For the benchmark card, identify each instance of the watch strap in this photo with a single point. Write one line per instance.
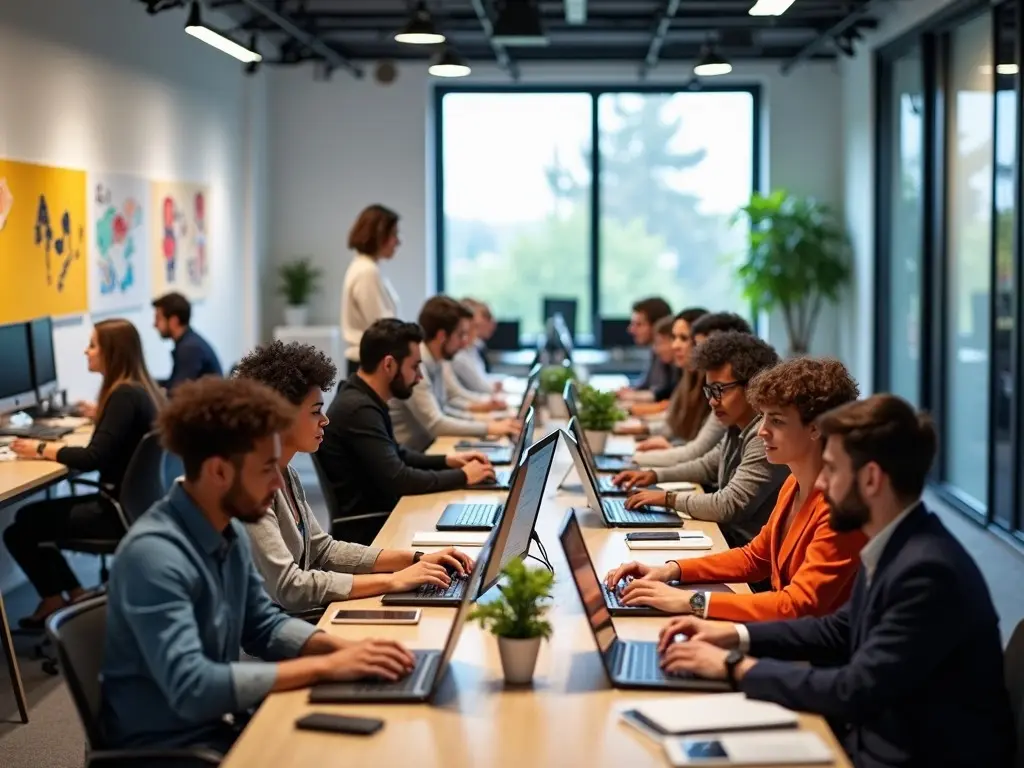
(416, 556)
(732, 660)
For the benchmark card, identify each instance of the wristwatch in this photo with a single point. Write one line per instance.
(41, 448)
(416, 557)
(698, 604)
(734, 657)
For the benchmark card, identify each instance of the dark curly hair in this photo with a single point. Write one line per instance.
(290, 369)
(812, 385)
(220, 417)
(748, 355)
(719, 321)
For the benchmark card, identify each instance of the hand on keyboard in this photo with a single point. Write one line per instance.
(423, 572)
(456, 563)
(640, 500)
(382, 659)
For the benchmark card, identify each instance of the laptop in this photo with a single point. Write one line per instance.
(613, 510)
(503, 477)
(425, 679)
(604, 483)
(628, 663)
(501, 453)
(512, 533)
(601, 462)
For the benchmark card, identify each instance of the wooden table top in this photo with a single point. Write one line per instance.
(568, 716)
(19, 476)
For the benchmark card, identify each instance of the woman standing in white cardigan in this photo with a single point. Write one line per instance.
(366, 295)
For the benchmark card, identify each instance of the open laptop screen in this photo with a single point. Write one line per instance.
(573, 438)
(587, 583)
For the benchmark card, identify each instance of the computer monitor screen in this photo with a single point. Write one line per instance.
(16, 390)
(505, 337)
(44, 367)
(615, 334)
(564, 307)
(588, 583)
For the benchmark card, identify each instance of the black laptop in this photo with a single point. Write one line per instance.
(503, 477)
(501, 453)
(426, 677)
(604, 483)
(602, 462)
(628, 663)
(613, 510)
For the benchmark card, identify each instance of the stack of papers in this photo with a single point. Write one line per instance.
(450, 538)
(706, 714)
(686, 540)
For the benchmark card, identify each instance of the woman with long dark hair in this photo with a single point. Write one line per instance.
(125, 410)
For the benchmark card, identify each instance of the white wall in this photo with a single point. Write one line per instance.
(101, 85)
(337, 146)
(856, 316)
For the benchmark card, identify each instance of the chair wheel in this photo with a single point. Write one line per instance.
(50, 667)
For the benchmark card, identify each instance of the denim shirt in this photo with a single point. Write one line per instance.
(183, 600)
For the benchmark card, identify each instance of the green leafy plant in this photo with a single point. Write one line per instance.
(554, 377)
(799, 258)
(519, 612)
(299, 281)
(599, 411)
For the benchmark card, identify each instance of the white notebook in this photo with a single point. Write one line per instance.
(710, 713)
(687, 542)
(677, 487)
(449, 538)
(790, 747)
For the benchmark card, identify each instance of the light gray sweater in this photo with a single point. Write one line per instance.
(747, 484)
(710, 434)
(304, 569)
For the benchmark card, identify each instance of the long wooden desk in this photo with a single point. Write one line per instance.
(569, 715)
(20, 478)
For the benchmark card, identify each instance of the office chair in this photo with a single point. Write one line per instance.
(1013, 670)
(357, 529)
(78, 632)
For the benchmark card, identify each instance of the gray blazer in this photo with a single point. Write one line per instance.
(748, 485)
(302, 572)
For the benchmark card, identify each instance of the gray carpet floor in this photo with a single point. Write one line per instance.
(53, 738)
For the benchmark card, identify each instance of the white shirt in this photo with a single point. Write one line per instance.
(366, 297)
(470, 371)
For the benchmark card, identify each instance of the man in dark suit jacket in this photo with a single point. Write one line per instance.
(909, 671)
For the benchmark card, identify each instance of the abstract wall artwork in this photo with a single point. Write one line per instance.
(43, 245)
(179, 225)
(119, 243)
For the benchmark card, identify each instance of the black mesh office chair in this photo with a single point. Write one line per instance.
(78, 632)
(357, 529)
(1013, 669)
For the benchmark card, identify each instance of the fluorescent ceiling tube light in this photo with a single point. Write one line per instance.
(770, 7)
(519, 24)
(1001, 69)
(449, 64)
(195, 27)
(711, 65)
(420, 30)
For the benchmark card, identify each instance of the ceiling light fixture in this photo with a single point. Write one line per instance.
(519, 24)
(195, 27)
(1001, 69)
(449, 64)
(420, 29)
(712, 64)
(770, 7)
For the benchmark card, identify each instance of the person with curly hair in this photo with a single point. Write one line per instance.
(747, 483)
(185, 598)
(811, 566)
(304, 567)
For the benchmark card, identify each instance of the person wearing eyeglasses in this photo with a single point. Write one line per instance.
(748, 485)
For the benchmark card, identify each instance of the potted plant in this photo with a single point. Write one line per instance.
(517, 618)
(299, 281)
(799, 258)
(552, 382)
(599, 414)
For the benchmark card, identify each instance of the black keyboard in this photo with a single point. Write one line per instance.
(36, 432)
(478, 514)
(454, 589)
(612, 595)
(616, 510)
(639, 662)
(424, 660)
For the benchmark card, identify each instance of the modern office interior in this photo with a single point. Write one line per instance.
(565, 157)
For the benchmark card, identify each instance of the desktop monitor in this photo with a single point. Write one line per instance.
(16, 386)
(44, 366)
(615, 333)
(505, 337)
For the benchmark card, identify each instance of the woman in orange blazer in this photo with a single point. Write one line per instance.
(812, 568)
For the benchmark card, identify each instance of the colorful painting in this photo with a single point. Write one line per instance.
(43, 245)
(180, 228)
(119, 243)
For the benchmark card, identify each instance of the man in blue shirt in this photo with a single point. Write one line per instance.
(185, 597)
(193, 356)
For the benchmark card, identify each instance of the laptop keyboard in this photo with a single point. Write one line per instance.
(616, 510)
(424, 660)
(605, 485)
(454, 589)
(611, 596)
(478, 514)
(638, 662)
(36, 432)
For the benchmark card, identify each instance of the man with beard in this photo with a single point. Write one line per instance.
(442, 406)
(193, 357)
(909, 671)
(366, 467)
(184, 595)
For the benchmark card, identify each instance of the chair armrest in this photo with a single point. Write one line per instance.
(198, 755)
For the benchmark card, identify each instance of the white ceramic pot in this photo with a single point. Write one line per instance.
(518, 658)
(296, 316)
(596, 440)
(557, 408)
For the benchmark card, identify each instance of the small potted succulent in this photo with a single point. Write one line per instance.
(552, 382)
(299, 281)
(599, 413)
(517, 618)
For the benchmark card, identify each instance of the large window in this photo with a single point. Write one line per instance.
(969, 238)
(517, 221)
